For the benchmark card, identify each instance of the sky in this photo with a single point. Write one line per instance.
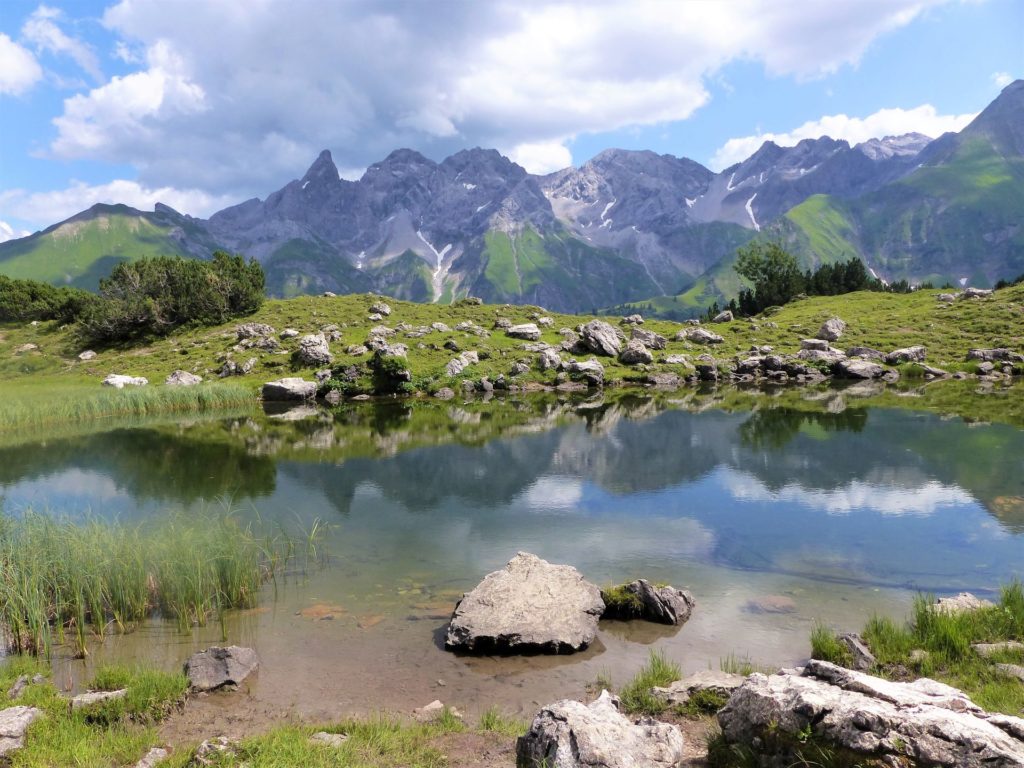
(201, 104)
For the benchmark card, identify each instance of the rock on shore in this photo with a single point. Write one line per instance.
(529, 606)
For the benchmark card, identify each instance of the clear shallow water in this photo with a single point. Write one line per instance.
(773, 518)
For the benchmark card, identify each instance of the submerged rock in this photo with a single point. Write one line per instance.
(917, 723)
(570, 734)
(529, 606)
(217, 667)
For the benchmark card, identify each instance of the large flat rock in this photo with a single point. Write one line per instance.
(218, 667)
(922, 723)
(529, 606)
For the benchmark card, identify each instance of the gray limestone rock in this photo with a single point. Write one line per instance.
(601, 338)
(723, 317)
(635, 353)
(217, 667)
(889, 722)
(590, 371)
(570, 734)
(643, 600)
(14, 722)
(699, 335)
(679, 692)
(528, 331)
(915, 354)
(183, 379)
(289, 388)
(650, 339)
(313, 350)
(119, 381)
(832, 329)
(528, 606)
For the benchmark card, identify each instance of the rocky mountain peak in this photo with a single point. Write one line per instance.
(907, 145)
(1002, 121)
(322, 169)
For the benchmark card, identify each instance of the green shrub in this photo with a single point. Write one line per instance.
(152, 297)
(25, 300)
(636, 694)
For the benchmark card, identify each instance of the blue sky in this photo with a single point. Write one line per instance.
(201, 104)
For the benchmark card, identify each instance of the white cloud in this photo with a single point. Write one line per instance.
(41, 30)
(887, 499)
(7, 232)
(45, 208)
(541, 157)
(19, 69)
(885, 122)
(1002, 79)
(363, 79)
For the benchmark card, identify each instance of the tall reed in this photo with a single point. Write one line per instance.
(66, 580)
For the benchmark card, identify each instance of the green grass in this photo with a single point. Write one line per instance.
(380, 742)
(636, 697)
(113, 733)
(493, 721)
(621, 603)
(62, 580)
(946, 639)
(827, 647)
(702, 703)
(826, 226)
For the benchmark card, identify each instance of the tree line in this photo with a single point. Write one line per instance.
(144, 298)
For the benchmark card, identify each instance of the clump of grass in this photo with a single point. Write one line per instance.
(826, 646)
(151, 694)
(741, 665)
(946, 638)
(81, 404)
(61, 579)
(636, 697)
(494, 721)
(702, 703)
(621, 603)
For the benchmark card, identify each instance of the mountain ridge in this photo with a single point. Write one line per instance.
(624, 226)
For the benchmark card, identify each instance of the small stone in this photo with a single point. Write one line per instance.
(832, 329)
(322, 738)
(990, 649)
(86, 700)
(87, 355)
(119, 381)
(289, 333)
(960, 603)
(153, 758)
(528, 331)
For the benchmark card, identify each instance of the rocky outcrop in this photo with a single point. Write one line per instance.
(832, 329)
(863, 658)
(529, 606)
(642, 600)
(313, 350)
(601, 339)
(254, 331)
(975, 293)
(919, 723)
(119, 381)
(380, 308)
(458, 364)
(219, 667)
(548, 360)
(632, 320)
(1000, 354)
(570, 734)
(183, 379)
(288, 389)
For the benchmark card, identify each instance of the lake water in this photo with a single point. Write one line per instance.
(774, 518)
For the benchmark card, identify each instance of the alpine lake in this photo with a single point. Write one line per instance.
(776, 509)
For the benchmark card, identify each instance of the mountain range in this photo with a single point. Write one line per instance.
(627, 226)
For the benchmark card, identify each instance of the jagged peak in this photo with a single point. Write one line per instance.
(322, 168)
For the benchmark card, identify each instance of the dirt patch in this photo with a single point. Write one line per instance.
(478, 750)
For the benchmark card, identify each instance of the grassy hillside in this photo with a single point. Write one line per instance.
(881, 321)
(86, 247)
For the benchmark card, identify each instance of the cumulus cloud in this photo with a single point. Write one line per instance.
(56, 205)
(1002, 79)
(232, 99)
(885, 122)
(19, 70)
(42, 31)
(541, 157)
(7, 232)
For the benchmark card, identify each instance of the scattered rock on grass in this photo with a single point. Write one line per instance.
(832, 329)
(313, 350)
(119, 381)
(570, 734)
(217, 667)
(528, 331)
(635, 353)
(254, 331)
(87, 355)
(723, 317)
(990, 649)
(85, 700)
(601, 338)
(183, 379)
(325, 739)
(965, 601)
(153, 758)
(679, 692)
(914, 354)
(14, 722)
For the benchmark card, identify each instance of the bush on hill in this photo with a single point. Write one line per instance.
(25, 300)
(152, 297)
